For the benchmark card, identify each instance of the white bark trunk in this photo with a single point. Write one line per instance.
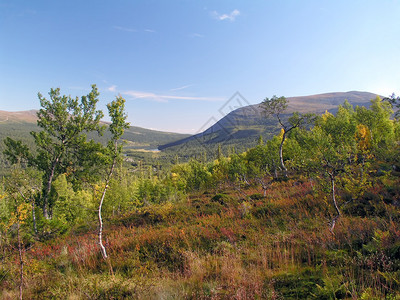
(102, 248)
(334, 201)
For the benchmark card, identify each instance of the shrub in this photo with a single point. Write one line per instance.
(256, 196)
(302, 284)
(223, 199)
(266, 210)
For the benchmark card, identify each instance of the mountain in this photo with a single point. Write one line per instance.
(18, 125)
(27, 116)
(242, 127)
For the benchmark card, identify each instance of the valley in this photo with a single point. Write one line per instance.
(317, 220)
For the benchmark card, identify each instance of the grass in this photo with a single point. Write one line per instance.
(225, 246)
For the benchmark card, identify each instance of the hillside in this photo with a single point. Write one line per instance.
(237, 227)
(242, 127)
(140, 142)
(18, 125)
(225, 245)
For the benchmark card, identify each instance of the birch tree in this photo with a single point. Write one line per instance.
(332, 147)
(64, 122)
(116, 110)
(277, 107)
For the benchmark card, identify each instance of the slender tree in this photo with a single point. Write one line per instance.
(64, 121)
(276, 107)
(16, 187)
(332, 148)
(18, 154)
(113, 151)
(260, 163)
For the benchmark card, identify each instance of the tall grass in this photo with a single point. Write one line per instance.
(222, 247)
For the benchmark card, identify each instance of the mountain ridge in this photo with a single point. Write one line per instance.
(18, 124)
(249, 122)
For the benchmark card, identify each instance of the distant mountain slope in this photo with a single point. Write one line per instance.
(243, 126)
(18, 125)
(27, 116)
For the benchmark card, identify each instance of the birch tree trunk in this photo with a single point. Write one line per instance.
(21, 261)
(332, 177)
(281, 154)
(102, 248)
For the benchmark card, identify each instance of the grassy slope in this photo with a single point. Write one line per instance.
(17, 125)
(222, 245)
(242, 127)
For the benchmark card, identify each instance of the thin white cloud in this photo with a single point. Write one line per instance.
(124, 29)
(196, 35)
(231, 17)
(181, 88)
(112, 88)
(165, 98)
(127, 29)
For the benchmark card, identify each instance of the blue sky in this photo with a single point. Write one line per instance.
(177, 62)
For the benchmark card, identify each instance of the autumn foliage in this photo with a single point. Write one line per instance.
(238, 227)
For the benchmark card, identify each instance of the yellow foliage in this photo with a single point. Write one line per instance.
(363, 137)
(34, 266)
(20, 215)
(98, 189)
(326, 116)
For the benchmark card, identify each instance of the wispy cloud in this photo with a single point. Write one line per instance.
(221, 17)
(182, 87)
(165, 98)
(124, 29)
(196, 35)
(127, 29)
(112, 88)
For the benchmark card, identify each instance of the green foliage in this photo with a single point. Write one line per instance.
(227, 228)
(153, 191)
(395, 102)
(191, 176)
(256, 196)
(198, 177)
(223, 199)
(116, 110)
(301, 284)
(121, 195)
(139, 142)
(275, 105)
(377, 120)
(266, 211)
(237, 169)
(16, 152)
(64, 122)
(71, 207)
(332, 288)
